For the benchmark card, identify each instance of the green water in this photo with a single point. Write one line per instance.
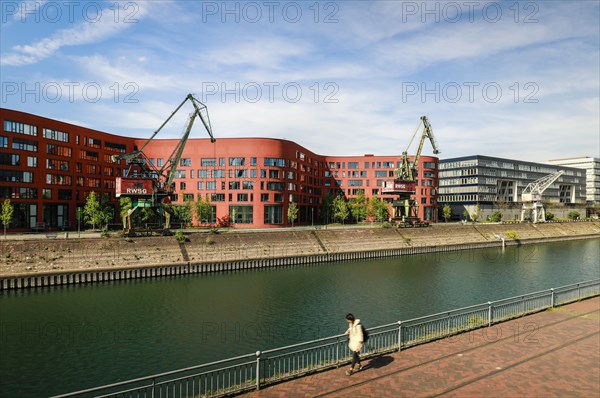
(61, 339)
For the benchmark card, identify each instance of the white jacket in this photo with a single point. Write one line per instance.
(355, 336)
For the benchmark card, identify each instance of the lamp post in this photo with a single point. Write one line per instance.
(79, 222)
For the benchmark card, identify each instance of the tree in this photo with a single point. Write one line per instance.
(377, 208)
(340, 208)
(125, 204)
(92, 212)
(203, 210)
(446, 212)
(7, 214)
(475, 215)
(327, 207)
(549, 216)
(358, 206)
(292, 212)
(183, 213)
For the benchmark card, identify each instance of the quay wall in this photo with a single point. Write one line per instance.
(52, 262)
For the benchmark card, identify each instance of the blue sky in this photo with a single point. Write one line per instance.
(510, 79)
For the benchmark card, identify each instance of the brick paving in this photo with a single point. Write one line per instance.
(553, 353)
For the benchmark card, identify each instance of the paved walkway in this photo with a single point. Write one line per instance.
(554, 353)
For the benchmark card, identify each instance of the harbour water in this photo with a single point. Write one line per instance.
(65, 338)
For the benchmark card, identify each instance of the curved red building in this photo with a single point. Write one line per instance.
(48, 167)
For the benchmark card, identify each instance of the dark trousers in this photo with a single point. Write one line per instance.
(355, 359)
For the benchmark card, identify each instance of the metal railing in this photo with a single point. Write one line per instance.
(253, 371)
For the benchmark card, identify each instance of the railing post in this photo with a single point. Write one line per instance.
(448, 325)
(399, 335)
(337, 351)
(153, 387)
(489, 313)
(552, 298)
(522, 305)
(258, 370)
(578, 292)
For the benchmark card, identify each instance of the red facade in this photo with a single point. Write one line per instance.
(250, 179)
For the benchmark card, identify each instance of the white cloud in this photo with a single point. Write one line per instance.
(87, 32)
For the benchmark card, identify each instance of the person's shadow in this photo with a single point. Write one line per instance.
(379, 362)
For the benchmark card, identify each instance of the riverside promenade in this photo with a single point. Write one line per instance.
(554, 353)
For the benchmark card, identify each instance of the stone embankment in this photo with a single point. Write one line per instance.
(46, 262)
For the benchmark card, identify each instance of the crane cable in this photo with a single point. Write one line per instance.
(413, 136)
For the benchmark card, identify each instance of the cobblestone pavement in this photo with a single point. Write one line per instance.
(554, 353)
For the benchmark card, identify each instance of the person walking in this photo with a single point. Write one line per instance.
(355, 342)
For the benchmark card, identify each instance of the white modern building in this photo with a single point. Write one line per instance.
(484, 184)
(592, 175)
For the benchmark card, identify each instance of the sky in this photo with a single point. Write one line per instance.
(514, 79)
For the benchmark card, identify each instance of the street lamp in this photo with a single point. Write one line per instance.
(79, 222)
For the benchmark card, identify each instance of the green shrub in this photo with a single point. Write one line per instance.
(386, 225)
(214, 230)
(105, 234)
(496, 217)
(549, 216)
(512, 235)
(180, 237)
(209, 240)
(573, 215)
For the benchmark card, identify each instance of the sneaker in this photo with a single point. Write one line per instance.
(360, 368)
(349, 372)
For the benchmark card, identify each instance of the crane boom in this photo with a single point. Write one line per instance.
(533, 208)
(154, 187)
(534, 190)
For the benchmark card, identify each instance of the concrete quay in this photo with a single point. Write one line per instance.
(554, 353)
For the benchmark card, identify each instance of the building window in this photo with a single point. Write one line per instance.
(241, 214)
(3, 142)
(353, 165)
(218, 173)
(211, 185)
(208, 162)
(274, 162)
(55, 135)
(200, 185)
(429, 165)
(278, 197)
(179, 173)
(273, 214)
(264, 197)
(248, 185)
(65, 194)
(20, 128)
(58, 150)
(24, 145)
(188, 197)
(182, 186)
(55, 164)
(94, 142)
(237, 161)
(242, 197)
(46, 193)
(202, 173)
(275, 186)
(217, 197)
(58, 179)
(185, 162)
(87, 155)
(252, 161)
(32, 161)
(10, 159)
(159, 162)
